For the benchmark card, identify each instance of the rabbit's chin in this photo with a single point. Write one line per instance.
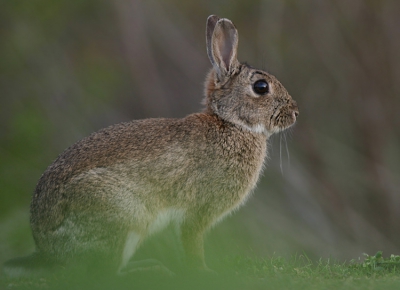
(278, 129)
(261, 129)
(258, 128)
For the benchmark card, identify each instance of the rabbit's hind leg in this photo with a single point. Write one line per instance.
(147, 265)
(132, 242)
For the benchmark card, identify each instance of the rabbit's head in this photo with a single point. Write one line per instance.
(240, 94)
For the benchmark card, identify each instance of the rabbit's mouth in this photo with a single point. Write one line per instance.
(284, 118)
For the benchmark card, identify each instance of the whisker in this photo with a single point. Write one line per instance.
(287, 149)
(280, 152)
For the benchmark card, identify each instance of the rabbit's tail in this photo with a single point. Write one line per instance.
(30, 266)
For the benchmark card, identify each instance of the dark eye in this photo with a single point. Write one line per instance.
(261, 87)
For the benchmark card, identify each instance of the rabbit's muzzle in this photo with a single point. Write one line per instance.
(295, 111)
(285, 116)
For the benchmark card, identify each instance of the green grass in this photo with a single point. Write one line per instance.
(372, 272)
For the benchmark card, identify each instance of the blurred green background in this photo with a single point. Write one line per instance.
(68, 68)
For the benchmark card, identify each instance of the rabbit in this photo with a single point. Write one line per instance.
(104, 195)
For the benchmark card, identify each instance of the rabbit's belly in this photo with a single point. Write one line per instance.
(164, 218)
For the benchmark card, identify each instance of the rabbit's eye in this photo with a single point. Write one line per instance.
(261, 87)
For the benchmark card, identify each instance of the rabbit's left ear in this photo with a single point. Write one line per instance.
(211, 22)
(222, 45)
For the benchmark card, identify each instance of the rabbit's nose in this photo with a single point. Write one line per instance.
(295, 112)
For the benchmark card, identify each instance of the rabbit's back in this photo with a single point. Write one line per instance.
(132, 171)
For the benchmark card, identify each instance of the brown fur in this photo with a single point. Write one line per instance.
(119, 181)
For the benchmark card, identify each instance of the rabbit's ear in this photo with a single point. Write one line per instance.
(223, 47)
(211, 22)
